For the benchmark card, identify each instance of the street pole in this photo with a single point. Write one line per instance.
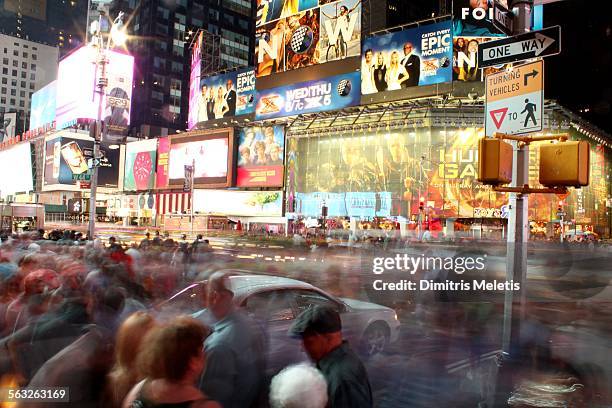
(191, 206)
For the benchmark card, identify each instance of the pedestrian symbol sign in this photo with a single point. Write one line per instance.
(515, 100)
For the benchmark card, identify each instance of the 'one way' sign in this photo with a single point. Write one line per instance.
(520, 47)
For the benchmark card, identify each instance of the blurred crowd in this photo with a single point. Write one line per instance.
(83, 315)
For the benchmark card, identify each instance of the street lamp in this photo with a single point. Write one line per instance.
(117, 37)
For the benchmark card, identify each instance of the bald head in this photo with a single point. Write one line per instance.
(220, 295)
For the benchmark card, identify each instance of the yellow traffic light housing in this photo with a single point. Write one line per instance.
(494, 161)
(565, 164)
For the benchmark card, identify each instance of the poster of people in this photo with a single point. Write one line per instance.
(223, 96)
(119, 93)
(414, 57)
(474, 18)
(336, 92)
(260, 156)
(292, 34)
(465, 59)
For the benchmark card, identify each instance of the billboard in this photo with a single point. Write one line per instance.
(239, 203)
(194, 80)
(163, 153)
(465, 60)
(261, 151)
(414, 57)
(42, 110)
(12, 181)
(76, 90)
(224, 96)
(350, 204)
(140, 159)
(211, 152)
(336, 92)
(474, 18)
(8, 124)
(66, 162)
(292, 34)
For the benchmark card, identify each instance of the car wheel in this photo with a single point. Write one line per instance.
(375, 339)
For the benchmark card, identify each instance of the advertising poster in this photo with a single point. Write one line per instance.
(224, 96)
(66, 163)
(260, 156)
(163, 154)
(474, 18)
(465, 60)
(210, 152)
(239, 203)
(297, 33)
(414, 57)
(8, 123)
(194, 81)
(118, 101)
(336, 92)
(140, 158)
(42, 109)
(350, 204)
(11, 181)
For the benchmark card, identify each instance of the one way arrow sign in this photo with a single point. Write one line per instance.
(520, 47)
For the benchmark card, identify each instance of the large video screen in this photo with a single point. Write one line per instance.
(66, 162)
(474, 18)
(210, 152)
(12, 181)
(292, 34)
(239, 203)
(194, 80)
(414, 57)
(224, 96)
(42, 109)
(261, 151)
(140, 160)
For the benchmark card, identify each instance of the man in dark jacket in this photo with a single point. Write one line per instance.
(320, 329)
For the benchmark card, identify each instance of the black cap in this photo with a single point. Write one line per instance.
(318, 319)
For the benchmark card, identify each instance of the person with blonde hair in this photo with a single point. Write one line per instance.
(396, 73)
(171, 361)
(124, 374)
(221, 107)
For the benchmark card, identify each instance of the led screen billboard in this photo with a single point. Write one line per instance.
(76, 90)
(42, 109)
(140, 159)
(337, 92)
(300, 33)
(465, 59)
(163, 153)
(66, 162)
(223, 96)
(8, 124)
(414, 57)
(474, 18)
(212, 154)
(194, 80)
(261, 151)
(11, 180)
(239, 203)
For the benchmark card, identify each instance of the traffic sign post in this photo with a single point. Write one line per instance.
(503, 19)
(515, 100)
(520, 47)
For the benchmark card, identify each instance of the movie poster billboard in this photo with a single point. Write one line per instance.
(292, 34)
(336, 92)
(211, 152)
(224, 96)
(409, 58)
(163, 154)
(465, 60)
(42, 110)
(261, 151)
(194, 80)
(474, 18)
(8, 125)
(66, 162)
(140, 159)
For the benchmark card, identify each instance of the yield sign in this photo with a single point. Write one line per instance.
(498, 116)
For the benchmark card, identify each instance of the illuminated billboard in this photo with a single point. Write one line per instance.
(224, 96)
(474, 18)
(42, 110)
(409, 58)
(194, 80)
(212, 154)
(293, 34)
(337, 92)
(163, 152)
(465, 59)
(76, 90)
(12, 181)
(140, 159)
(66, 162)
(261, 151)
(239, 203)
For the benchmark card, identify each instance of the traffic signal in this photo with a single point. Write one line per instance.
(494, 161)
(560, 207)
(565, 164)
(421, 203)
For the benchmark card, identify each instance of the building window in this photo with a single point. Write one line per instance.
(32, 86)
(13, 92)
(163, 13)
(14, 73)
(5, 71)
(177, 67)
(159, 63)
(158, 96)
(3, 101)
(13, 82)
(15, 63)
(13, 102)
(196, 22)
(34, 57)
(23, 84)
(22, 94)
(213, 14)
(32, 76)
(16, 53)
(181, 18)
(21, 104)
(4, 81)
(3, 91)
(33, 67)
(23, 74)
(5, 61)
(25, 55)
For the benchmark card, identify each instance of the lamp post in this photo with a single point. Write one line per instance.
(117, 36)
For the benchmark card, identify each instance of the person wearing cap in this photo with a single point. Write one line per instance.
(320, 329)
(234, 364)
